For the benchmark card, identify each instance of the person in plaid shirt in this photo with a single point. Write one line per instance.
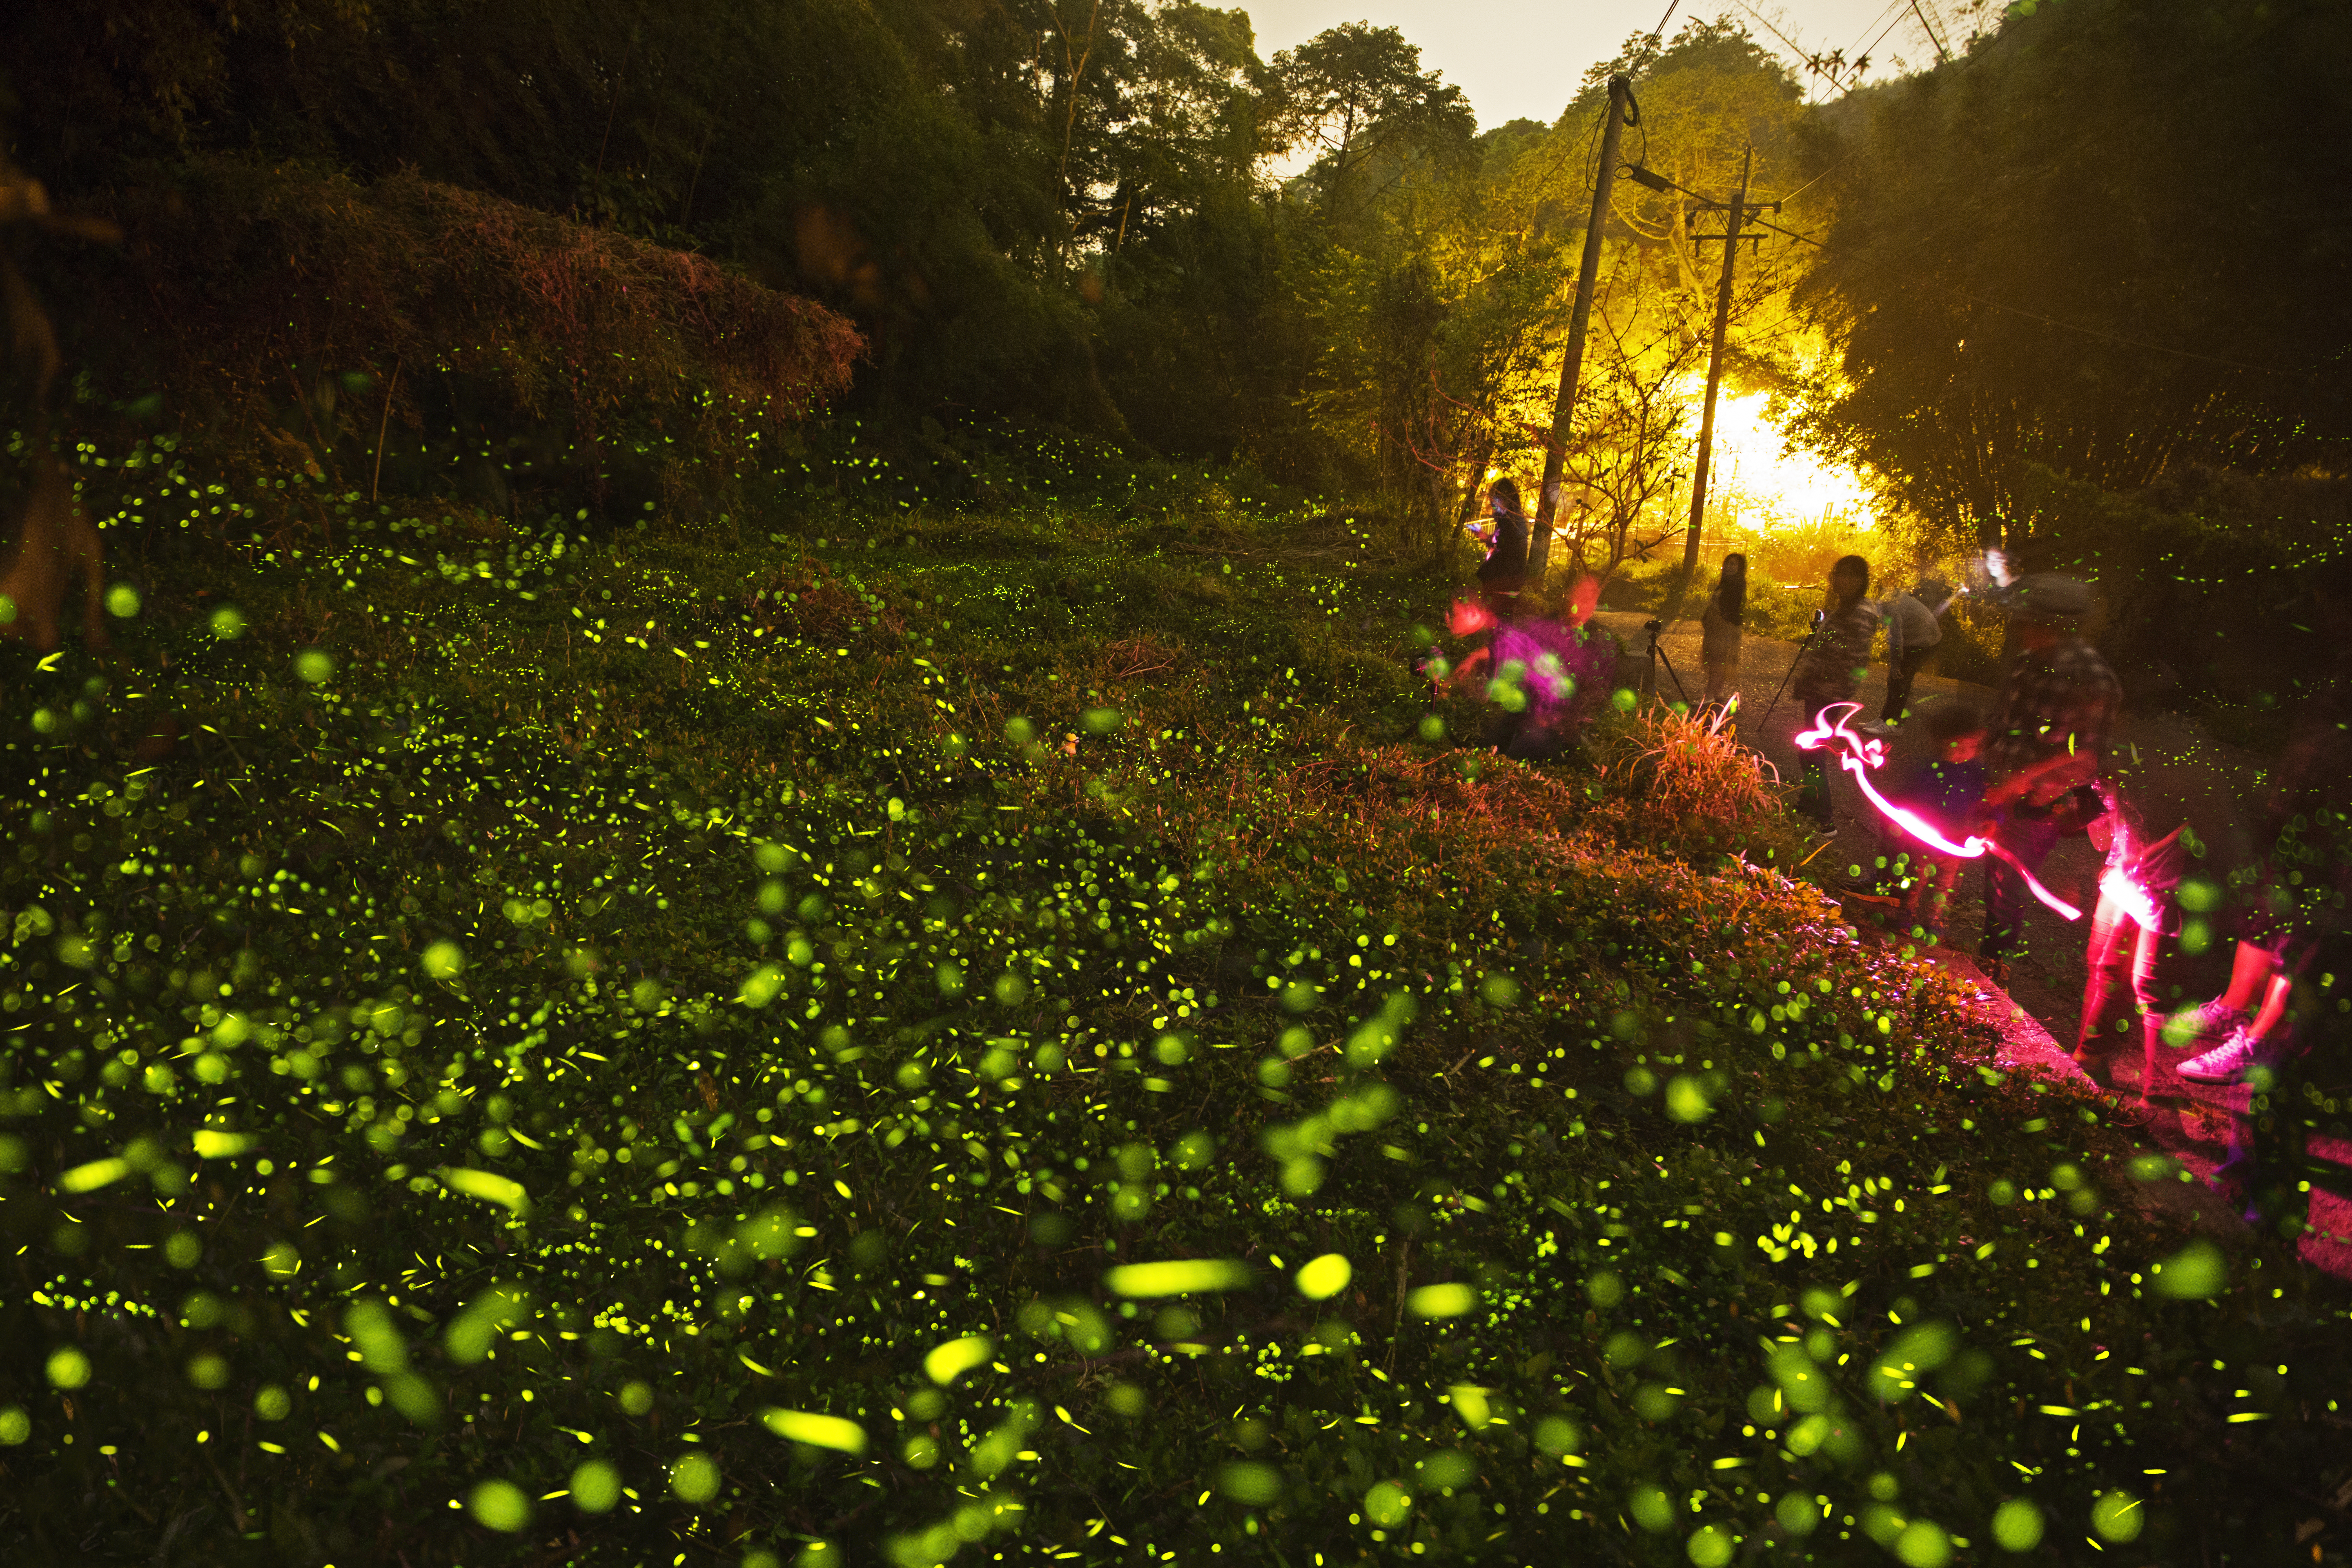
(1830, 668)
(2058, 703)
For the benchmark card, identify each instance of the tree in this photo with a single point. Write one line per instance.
(1357, 94)
(1429, 307)
(1635, 432)
(2111, 241)
(1705, 99)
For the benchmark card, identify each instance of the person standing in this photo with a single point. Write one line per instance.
(1720, 626)
(2058, 703)
(1830, 668)
(1914, 626)
(1503, 573)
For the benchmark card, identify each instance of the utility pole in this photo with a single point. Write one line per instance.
(1734, 212)
(1622, 111)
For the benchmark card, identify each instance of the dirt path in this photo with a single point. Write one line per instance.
(2040, 1013)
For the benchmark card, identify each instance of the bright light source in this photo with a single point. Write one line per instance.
(1764, 490)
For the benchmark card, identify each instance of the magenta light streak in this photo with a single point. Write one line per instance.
(2117, 885)
(1858, 754)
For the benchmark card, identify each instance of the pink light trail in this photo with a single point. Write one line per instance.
(1858, 754)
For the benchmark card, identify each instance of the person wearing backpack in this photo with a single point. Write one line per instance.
(1914, 626)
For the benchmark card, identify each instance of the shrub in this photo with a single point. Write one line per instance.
(255, 293)
(1681, 785)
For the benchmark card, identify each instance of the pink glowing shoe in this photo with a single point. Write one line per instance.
(2225, 1063)
(2212, 1020)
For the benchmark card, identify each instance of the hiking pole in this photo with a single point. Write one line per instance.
(1801, 646)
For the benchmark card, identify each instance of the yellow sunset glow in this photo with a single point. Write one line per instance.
(1753, 485)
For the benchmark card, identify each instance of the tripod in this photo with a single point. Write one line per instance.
(1657, 656)
(1810, 636)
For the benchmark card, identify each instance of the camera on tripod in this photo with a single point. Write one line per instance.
(1656, 655)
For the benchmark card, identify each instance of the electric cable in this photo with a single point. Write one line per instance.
(1881, 16)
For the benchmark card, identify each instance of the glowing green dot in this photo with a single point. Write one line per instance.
(595, 1487)
(501, 1506)
(68, 1368)
(694, 1478)
(2017, 1525)
(1710, 1546)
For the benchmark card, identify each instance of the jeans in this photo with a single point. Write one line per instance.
(1900, 674)
(2030, 839)
(2122, 962)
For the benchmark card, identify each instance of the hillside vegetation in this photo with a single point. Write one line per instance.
(892, 1035)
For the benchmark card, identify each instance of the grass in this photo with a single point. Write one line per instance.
(996, 1035)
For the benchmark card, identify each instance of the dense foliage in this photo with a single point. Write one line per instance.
(2106, 242)
(1054, 211)
(404, 330)
(620, 967)
(1005, 1036)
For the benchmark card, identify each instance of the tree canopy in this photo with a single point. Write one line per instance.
(2106, 239)
(2110, 240)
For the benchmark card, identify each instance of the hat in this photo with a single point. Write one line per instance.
(2047, 598)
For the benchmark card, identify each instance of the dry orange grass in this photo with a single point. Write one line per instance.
(1680, 785)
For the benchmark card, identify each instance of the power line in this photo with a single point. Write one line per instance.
(1660, 30)
(1882, 36)
(1808, 60)
(1890, 10)
(1943, 55)
(1817, 179)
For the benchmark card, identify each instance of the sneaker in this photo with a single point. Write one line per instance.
(2225, 1063)
(2208, 1021)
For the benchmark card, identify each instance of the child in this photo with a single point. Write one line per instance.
(1946, 791)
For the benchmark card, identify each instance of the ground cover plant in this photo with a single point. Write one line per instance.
(1017, 1035)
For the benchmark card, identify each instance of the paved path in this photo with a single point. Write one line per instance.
(2040, 1013)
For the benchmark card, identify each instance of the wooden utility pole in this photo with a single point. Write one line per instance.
(1622, 112)
(1734, 212)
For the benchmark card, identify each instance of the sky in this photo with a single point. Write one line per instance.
(1523, 58)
